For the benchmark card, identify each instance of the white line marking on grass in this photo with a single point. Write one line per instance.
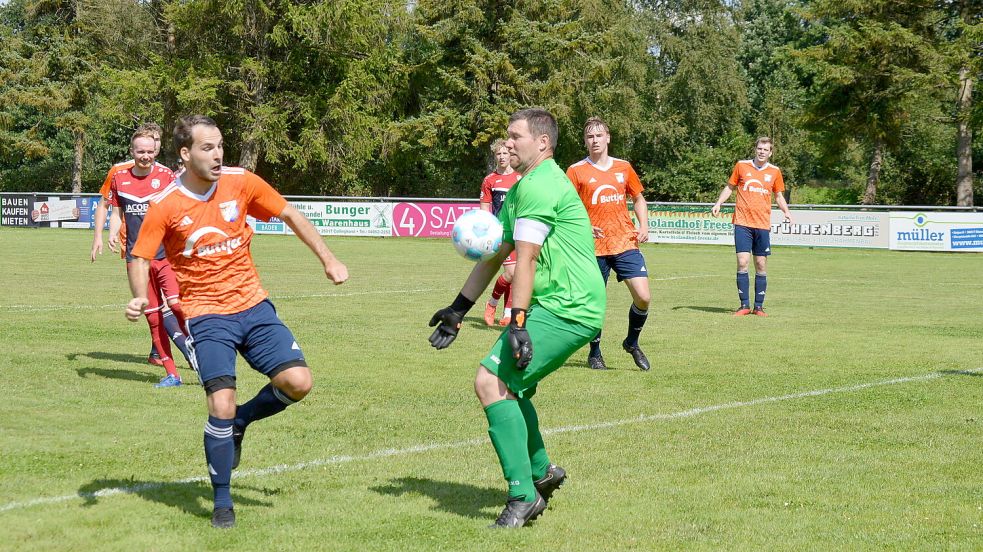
(416, 449)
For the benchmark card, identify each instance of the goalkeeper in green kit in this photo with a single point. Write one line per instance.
(558, 303)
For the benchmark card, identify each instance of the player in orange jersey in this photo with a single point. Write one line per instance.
(755, 180)
(201, 222)
(493, 190)
(604, 184)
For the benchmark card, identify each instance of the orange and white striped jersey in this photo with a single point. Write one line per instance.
(754, 189)
(206, 240)
(605, 195)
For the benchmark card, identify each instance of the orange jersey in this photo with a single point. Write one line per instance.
(207, 240)
(606, 194)
(754, 189)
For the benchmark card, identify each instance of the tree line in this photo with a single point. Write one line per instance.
(868, 101)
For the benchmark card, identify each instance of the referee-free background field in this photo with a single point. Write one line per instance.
(851, 418)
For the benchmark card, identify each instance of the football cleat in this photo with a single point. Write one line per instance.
(743, 311)
(490, 314)
(759, 311)
(154, 359)
(505, 321)
(223, 518)
(553, 480)
(596, 362)
(518, 513)
(237, 435)
(168, 381)
(638, 356)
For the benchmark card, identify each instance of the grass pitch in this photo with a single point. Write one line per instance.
(849, 419)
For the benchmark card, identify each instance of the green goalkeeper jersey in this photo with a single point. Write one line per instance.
(568, 282)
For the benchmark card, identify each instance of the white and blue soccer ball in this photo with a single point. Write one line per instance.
(477, 235)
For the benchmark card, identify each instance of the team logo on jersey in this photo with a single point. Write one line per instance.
(230, 210)
(620, 177)
(155, 183)
(767, 178)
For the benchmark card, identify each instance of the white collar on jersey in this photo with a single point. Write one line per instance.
(200, 197)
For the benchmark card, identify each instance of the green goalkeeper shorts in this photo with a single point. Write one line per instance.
(553, 338)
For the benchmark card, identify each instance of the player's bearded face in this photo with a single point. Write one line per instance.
(144, 152)
(204, 157)
(523, 148)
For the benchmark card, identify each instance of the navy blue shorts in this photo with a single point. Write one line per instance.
(627, 264)
(752, 240)
(256, 332)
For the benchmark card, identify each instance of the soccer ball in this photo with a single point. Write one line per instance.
(477, 235)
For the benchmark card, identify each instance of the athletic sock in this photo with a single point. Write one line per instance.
(153, 349)
(507, 429)
(743, 285)
(173, 329)
(267, 402)
(159, 337)
(636, 321)
(219, 452)
(500, 286)
(760, 286)
(595, 345)
(507, 297)
(538, 460)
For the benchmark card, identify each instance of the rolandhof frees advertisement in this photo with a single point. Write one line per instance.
(932, 231)
(689, 224)
(336, 219)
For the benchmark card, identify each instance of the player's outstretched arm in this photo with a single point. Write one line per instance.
(138, 273)
(724, 196)
(334, 269)
(448, 319)
(100, 221)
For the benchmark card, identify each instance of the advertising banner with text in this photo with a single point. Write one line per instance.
(914, 231)
(427, 220)
(336, 219)
(695, 224)
(15, 210)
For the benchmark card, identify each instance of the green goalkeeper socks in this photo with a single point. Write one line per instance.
(538, 459)
(507, 429)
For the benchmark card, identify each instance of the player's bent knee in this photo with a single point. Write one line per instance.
(219, 383)
(294, 379)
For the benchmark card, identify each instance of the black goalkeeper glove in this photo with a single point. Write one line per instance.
(519, 339)
(448, 322)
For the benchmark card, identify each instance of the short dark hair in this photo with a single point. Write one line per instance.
(540, 122)
(183, 128)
